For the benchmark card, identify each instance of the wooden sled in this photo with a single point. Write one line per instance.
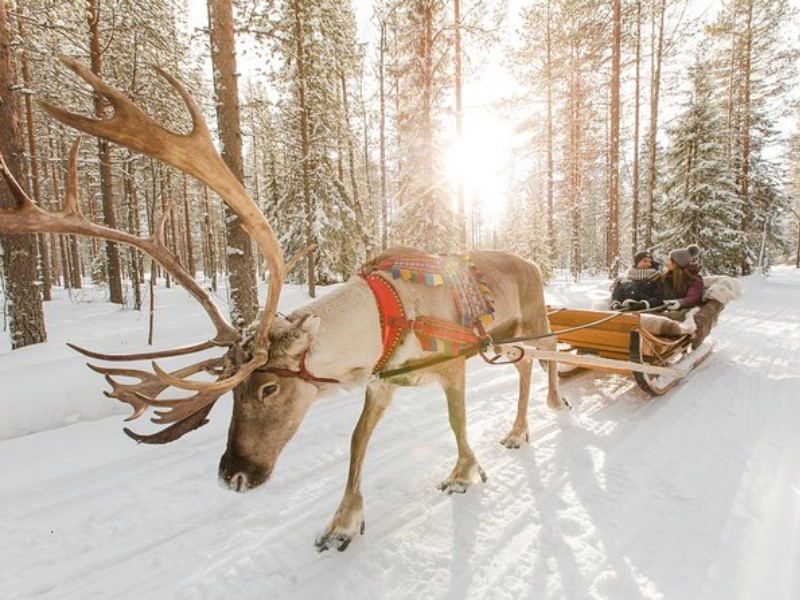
(617, 342)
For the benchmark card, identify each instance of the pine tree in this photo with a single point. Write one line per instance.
(316, 170)
(421, 76)
(700, 203)
(756, 60)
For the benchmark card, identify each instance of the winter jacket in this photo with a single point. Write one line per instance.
(639, 284)
(694, 292)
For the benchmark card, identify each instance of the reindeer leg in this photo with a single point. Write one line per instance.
(467, 470)
(349, 517)
(519, 431)
(554, 399)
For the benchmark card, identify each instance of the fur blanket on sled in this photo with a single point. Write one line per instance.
(720, 288)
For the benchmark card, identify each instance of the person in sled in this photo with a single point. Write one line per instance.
(682, 285)
(641, 288)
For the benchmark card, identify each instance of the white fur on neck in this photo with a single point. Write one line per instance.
(348, 342)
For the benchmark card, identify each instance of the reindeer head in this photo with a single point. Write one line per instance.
(268, 404)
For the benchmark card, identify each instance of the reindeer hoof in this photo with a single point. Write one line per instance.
(513, 442)
(339, 541)
(460, 485)
(557, 403)
(454, 487)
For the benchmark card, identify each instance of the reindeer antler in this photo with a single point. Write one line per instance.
(193, 153)
(29, 218)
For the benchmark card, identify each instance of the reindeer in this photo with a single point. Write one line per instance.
(278, 366)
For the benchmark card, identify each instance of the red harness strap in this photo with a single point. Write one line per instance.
(301, 373)
(438, 328)
(391, 312)
(394, 323)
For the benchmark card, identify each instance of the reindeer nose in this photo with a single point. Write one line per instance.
(240, 474)
(238, 482)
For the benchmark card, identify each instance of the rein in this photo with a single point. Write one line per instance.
(568, 330)
(301, 373)
(485, 342)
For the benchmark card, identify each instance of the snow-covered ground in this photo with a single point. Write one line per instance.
(692, 495)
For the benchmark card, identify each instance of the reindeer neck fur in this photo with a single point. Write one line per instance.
(348, 342)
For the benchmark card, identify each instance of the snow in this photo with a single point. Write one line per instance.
(695, 494)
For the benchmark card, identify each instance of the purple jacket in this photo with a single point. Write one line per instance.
(694, 293)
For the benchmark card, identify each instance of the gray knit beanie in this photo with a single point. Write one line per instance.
(683, 256)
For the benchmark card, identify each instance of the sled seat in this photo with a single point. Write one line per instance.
(609, 334)
(619, 337)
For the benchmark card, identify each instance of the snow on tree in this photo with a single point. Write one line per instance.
(700, 203)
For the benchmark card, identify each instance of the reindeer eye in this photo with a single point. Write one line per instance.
(268, 390)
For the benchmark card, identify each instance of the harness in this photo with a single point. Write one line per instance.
(434, 334)
(301, 373)
(471, 297)
(393, 317)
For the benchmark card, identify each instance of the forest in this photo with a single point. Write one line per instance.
(633, 124)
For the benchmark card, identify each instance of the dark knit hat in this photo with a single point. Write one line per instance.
(683, 256)
(640, 255)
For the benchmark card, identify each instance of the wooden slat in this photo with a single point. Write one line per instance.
(595, 338)
(609, 339)
(560, 319)
(595, 362)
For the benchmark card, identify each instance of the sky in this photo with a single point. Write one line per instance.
(695, 494)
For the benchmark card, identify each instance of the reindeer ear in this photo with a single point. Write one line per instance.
(309, 325)
(301, 335)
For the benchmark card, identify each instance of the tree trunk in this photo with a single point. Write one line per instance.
(636, 118)
(732, 85)
(655, 87)
(114, 273)
(462, 224)
(26, 315)
(745, 133)
(190, 264)
(384, 186)
(613, 150)
(351, 150)
(551, 230)
(426, 60)
(242, 281)
(132, 202)
(33, 163)
(574, 162)
(305, 144)
(358, 207)
(797, 251)
(254, 153)
(209, 247)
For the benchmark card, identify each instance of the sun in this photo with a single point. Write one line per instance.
(481, 163)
